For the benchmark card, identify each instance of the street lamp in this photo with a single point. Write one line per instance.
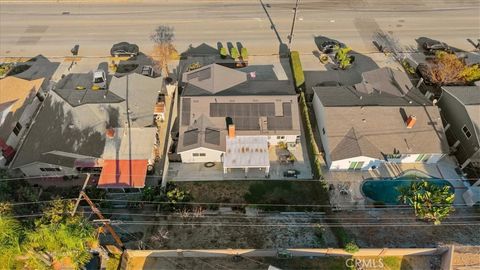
(290, 37)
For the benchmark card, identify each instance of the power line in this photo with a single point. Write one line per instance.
(306, 225)
(339, 206)
(323, 217)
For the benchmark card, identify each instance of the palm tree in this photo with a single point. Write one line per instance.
(430, 202)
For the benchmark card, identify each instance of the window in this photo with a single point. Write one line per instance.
(50, 169)
(199, 154)
(17, 128)
(280, 137)
(354, 165)
(323, 131)
(466, 132)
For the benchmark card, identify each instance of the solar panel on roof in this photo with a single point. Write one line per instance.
(212, 136)
(186, 111)
(190, 137)
(287, 109)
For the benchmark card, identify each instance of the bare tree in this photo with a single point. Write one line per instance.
(444, 69)
(163, 49)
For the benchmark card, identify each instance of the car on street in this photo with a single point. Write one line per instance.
(124, 49)
(291, 173)
(330, 45)
(100, 79)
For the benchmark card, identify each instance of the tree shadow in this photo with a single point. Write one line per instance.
(239, 46)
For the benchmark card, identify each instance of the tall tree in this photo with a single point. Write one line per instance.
(163, 49)
(430, 202)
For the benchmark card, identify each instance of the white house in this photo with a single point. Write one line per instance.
(218, 102)
(383, 119)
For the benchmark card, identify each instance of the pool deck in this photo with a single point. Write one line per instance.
(351, 181)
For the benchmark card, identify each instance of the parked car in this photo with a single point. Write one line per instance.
(291, 173)
(100, 79)
(124, 49)
(433, 46)
(329, 45)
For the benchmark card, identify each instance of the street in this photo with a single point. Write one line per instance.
(52, 28)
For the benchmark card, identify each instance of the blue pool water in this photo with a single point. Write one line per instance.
(386, 190)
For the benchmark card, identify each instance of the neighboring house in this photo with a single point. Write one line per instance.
(382, 119)
(19, 100)
(78, 130)
(460, 111)
(218, 102)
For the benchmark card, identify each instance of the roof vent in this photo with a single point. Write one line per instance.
(411, 120)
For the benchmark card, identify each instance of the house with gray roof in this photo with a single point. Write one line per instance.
(220, 107)
(460, 111)
(68, 135)
(382, 119)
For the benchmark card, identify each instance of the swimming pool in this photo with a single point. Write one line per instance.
(386, 190)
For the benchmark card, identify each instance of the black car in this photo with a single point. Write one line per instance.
(124, 49)
(291, 173)
(329, 46)
(434, 46)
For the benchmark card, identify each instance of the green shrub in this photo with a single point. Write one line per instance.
(351, 247)
(297, 70)
(343, 59)
(244, 53)
(223, 52)
(310, 138)
(234, 53)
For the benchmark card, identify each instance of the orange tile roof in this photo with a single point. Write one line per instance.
(123, 173)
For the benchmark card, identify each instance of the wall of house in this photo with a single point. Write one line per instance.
(454, 113)
(34, 169)
(344, 164)
(25, 120)
(210, 155)
(319, 113)
(412, 158)
(275, 139)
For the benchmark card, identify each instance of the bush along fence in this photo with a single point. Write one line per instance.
(297, 71)
(312, 146)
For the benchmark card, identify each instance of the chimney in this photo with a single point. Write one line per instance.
(110, 133)
(231, 131)
(411, 120)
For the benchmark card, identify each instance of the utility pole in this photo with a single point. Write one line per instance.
(290, 37)
(105, 221)
(80, 195)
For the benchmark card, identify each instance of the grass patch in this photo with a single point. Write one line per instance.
(297, 70)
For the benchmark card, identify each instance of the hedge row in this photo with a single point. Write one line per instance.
(311, 143)
(297, 69)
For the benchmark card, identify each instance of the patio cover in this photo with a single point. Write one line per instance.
(246, 152)
(123, 174)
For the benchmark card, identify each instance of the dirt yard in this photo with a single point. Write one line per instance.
(400, 235)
